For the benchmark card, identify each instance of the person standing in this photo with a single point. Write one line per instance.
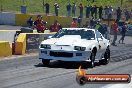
(118, 13)
(95, 11)
(110, 12)
(68, 7)
(92, 23)
(127, 15)
(100, 12)
(92, 12)
(98, 25)
(79, 22)
(115, 31)
(30, 22)
(106, 12)
(81, 10)
(74, 23)
(56, 9)
(47, 7)
(88, 8)
(74, 10)
(105, 30)
(123, 32)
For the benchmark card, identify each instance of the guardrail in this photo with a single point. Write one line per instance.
(27, 42)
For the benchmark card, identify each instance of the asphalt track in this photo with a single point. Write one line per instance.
(28, 72)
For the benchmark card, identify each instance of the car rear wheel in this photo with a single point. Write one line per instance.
(106, 59)
(45, 62)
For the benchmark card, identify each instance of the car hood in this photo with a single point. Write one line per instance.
(74, 40)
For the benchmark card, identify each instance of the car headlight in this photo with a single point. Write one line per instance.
(45, 46)
(80, 48)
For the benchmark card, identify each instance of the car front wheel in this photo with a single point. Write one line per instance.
(92, 58)
(106, 57)
(45, 62)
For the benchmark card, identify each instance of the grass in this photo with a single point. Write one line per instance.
(36, 6)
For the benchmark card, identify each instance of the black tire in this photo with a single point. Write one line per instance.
(45, 62)
(106, 59)
(92, 58)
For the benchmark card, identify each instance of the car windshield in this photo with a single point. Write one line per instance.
(85, 34)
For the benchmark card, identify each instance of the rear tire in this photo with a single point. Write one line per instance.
(106, 59)
(45, 62)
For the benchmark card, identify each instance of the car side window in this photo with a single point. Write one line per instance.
(98, 35)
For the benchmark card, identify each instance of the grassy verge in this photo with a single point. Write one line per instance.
(36, 6)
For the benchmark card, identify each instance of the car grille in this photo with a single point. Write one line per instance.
(61, 54)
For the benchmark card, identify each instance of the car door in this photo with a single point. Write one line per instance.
(100, 45)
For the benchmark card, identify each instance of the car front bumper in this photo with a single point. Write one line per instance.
(64, 55)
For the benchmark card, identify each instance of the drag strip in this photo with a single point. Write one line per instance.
(28, 72)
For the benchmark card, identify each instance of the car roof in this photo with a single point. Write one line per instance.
(79, 29)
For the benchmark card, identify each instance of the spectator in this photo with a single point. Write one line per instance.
(47, 7)
(81, 10)
(98, 25)
(100, 12)
(115, 30)
(39, 24)
(92, 11)
(88, 8)
(127, 15)
(56, 9)
(110, 12)
(92, 23)
(74, 23)
(79, 21)
(68, 9)
(55, 27)
(30, 22)
(74, 10)
(118, 12)
(123, 32)
(106, 12)
(105, 30)
(95, 11)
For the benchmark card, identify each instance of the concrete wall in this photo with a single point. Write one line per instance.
(7, 18)
(7, 36)
(5, 49)
(21, 19)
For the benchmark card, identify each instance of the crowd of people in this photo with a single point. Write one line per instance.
(40, 25)
(122, 31)
(101, 12)
(103, 28)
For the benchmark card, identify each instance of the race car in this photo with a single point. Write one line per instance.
(76, 44)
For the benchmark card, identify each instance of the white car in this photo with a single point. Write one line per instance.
(75, 44)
